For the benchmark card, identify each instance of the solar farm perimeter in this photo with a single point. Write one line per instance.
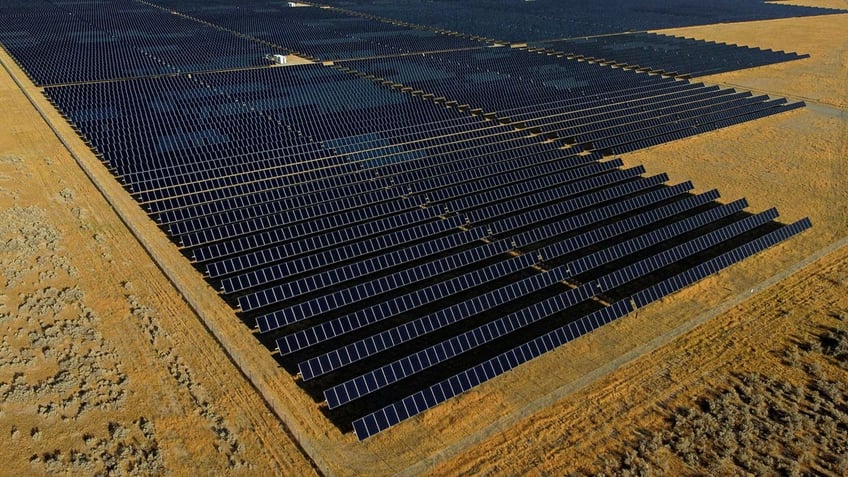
(384, 232)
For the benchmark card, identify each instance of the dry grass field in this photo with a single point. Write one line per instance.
(117, 358)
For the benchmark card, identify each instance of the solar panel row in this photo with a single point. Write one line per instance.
(702, 128)
(512, 154)
(403, 303)
(384, 284)
(694, 274)
(640, 242)
(272, 321)
(277, 294)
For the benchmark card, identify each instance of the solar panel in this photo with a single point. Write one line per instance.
(546, 20)
(587, 120)
(476, 195)
(610, 211)
(315, 242)
(226, 247)
(287, 192)
(254, 260)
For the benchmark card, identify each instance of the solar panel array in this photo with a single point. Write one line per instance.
(396, 251)
(64, 41)
(395, 226)
(467, 379)
(58, 42)
(667, 54)
(318, 33)
(547, 20)
(597, 107)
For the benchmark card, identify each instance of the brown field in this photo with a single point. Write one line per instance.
(116, 357)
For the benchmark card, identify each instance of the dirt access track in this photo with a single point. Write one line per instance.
(116, 356)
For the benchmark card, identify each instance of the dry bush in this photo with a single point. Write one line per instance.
(755, 424)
